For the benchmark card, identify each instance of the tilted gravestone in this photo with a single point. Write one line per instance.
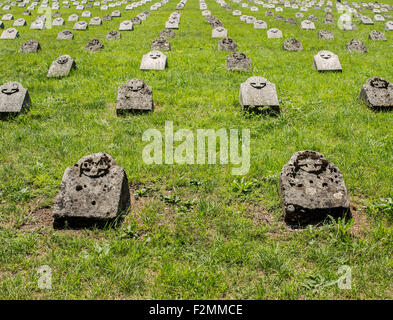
(94, 45)
(312, 188)
(227, 44)
(219, 32)
(259, 95)
(14, 100)
(93, 192)
(86, 14)
(260, 24)
(292, 44)
(376, 36)
(356, 45)
(154, 60)
(30, 46)
(10, 34)
(19, 22)
(61, 67)
(113, 35)
(133, 97)
(7, 17)
(37, 25)
(274, 33)
(172, 24)
(325, 34)
(326, 61)
(167, 33)
(161, 43)
(81, 25)
(238, 61)
(65, 35)
(377, 93)
(126, 26)
(96, 21)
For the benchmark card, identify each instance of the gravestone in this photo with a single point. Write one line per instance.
(81, 25)
(377, 93)
(238, 61)
(312, 188)
(227, 44)
(133, 97)
(154, 60)
(37, 25)
(274, 33)
(96, 21)
(9, 34)
(219, 32)
(389, 26)
(19, 22)
(325, 34)
(73, 18)
(379, 18)
(30, 46)
(61, 67)
(237, 13)
(167, 33)
(126, 26)
(328, 21)
(136, 20)
(326, 61)
(376, 36)
(366, 20)
(116, 14)
(107, 17)
(259, 95)
(356, 45)
(58, 22)
(65, 35)
(113, 35)
(94, 45)
(14, 100)
(93, 192)
(86, 14)
(307, 25)
(172, 24)
(292, 44)
(7, 17)
(161, 43)
(260, 24)
(290, 21)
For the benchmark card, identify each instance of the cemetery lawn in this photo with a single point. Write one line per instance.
(195, 231)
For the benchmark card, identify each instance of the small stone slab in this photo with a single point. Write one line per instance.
(37, 25)
(154, 60)
(93, 192)
(259, 95)
(377, 93)
(260, 24)
(167, 33)
(61, 67)
(65, 35)
(219, 32)
(376, 36)
(134, 97)
(325, 34)
(94, 45)
(30, 46)
(356, 45)
(227, 44)
(312, 188)
(81, 26)
(14, 100)
(126, 26)
(161, 43)
(19, 22)
(292, 44)
(366, 20)
(274, 33)
(389, 26)
(96, 21)
(58, 22)
(238, 61)
(326, 61)
(307, 25)
(9, 34)
(113, 35)
(136, 20)
(172, 24)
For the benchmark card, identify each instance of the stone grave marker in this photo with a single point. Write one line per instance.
(14, 100)
(274, 33)
(389, 26)
(126, 26)
(65, 35)
(81, 26)
(9, 34)
(238, 61)
(307, 25)
(167, 33)
(154, 60)
(227, 44)
(325, 34)
(161, 43)
(292, 44)
(96, 21)
(134, 97)
(61, 67)
(30, 46)
(58, 22)
(356, 45)
(326, 61)
(219, 32)
(377, 93)
(260, 24)
(94, 45)
(376, 36)
(113, 35)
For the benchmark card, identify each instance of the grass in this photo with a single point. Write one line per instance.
(195, 231)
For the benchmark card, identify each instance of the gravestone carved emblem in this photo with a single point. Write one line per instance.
(93, 192)
(14, 100)
(134, 96)
(312, 188)
(377, 93)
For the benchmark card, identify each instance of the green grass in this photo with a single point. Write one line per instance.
(195, 231)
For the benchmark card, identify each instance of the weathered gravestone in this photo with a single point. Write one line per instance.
(94, 45)
(227, 44)
(9, 34)
(61, 67)
(290, 21)
(292, 44)
(307, 25)
(366, 20)
(96, 21)
(73, 18)
(30, 46)
(389, 26)
(161, 43)
(65, 35)
(154, 60)
(14, 100)
(376, 36)
(37, 25)
(219, 32)
(113, 35)
(259, 95)
(126, 26)
(81, 25)
(172, 24)
(1, 25)
(260, 24)
(134, 97)
(325, 34)
(356, 45)
(274, 33)
(93, 192)
(136, 20)
(58, 22)
(7, 17)
(238, 61)
(312, 188)
(326, 61)
(19, 22)
(377, 93)
(168, 33)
